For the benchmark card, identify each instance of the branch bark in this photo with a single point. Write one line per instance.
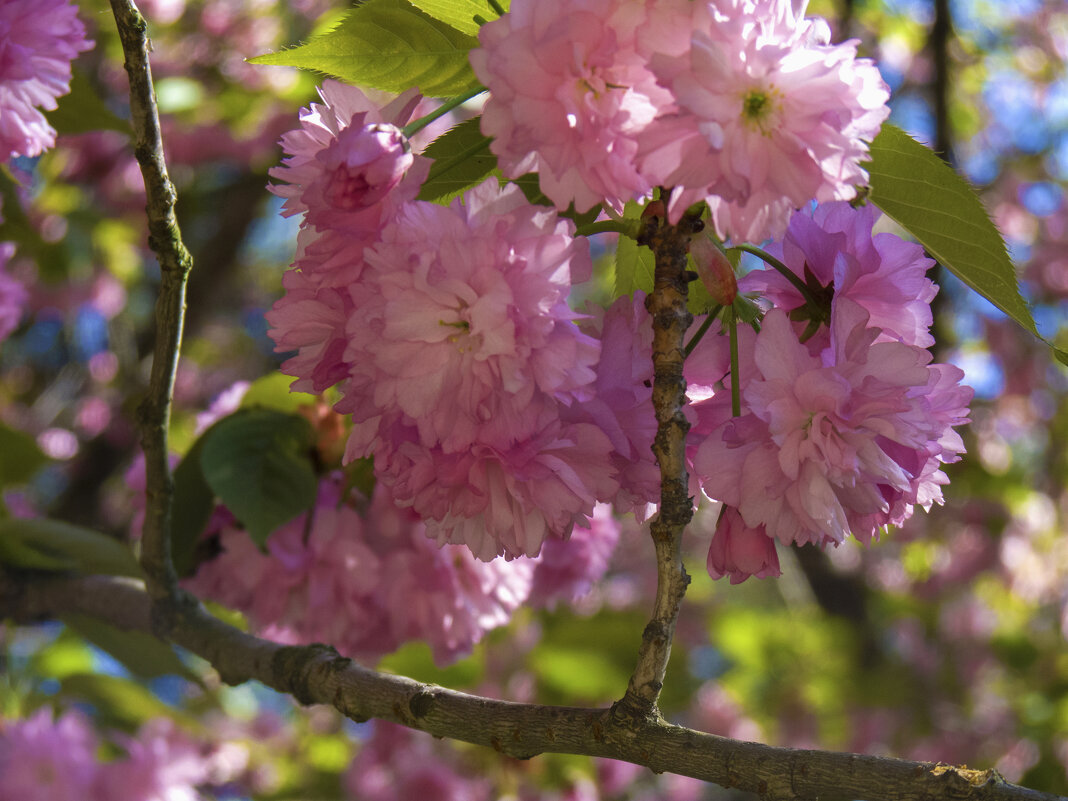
(671, 318)
(316, 674)
(175, 263)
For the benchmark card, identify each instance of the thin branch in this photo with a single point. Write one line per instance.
(175, 264)
(316, 674)
(667, 306)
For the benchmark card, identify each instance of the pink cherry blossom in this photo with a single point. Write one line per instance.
(569, 93)
(740, 551)
(42, 759)
(397, 762)
(364, 582)
(38, 41)
(162, 764)
(348, 165)
(844, 442)
(770, 116)
(883, 274)
(464, 321)
(565, 570)
(13, 295)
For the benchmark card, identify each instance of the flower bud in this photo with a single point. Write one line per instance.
(715, 270)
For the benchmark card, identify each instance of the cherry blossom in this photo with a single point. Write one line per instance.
(38, 41)
(43, 759)
(13, 294)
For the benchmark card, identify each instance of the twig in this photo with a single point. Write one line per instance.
(175, 264)
(316, 674)
(667, 306)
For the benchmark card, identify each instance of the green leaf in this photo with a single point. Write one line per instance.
(272, 392)
(460, 14)
(194, 502)
(391, 45)
(461, 159)
(927, 198)
(120, 702)
(20, 459)
(257, 461)
(141, 653)
(42, 544)
(634, 263)
(82, 110)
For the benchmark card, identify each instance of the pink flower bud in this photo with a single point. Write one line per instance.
(741, 551)
(715, 270)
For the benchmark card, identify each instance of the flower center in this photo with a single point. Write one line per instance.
(759, 107)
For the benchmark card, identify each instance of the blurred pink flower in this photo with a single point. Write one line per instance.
(400, 763)
(569, 92)
(741, 551)
(566, 569)
(162, 764)
(770, 116)
(42, 759)
(38, 41)
(884, 274)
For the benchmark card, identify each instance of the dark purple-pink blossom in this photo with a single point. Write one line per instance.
(834, 248)
(740, 551)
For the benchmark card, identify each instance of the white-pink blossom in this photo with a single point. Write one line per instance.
(569, 94)
(770, 116)
(38, 41)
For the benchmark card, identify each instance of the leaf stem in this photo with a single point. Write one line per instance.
(736, 390)
(786, 272)
(414, 127)
(699, 334)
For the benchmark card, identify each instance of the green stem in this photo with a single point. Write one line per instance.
(413, 128)
(496, 7)
(624, 227)
(712, 315)
(736, 391)
(786, 272)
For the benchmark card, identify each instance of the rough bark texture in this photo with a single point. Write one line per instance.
(316, 674)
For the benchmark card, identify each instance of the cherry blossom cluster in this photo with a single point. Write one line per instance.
(845, 427)
(740, 103)
(496, 415)
(44, 759)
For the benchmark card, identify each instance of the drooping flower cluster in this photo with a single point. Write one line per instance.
(369, 580)
(38, 41)
(46, 759)
(743, 103)
(842, 431)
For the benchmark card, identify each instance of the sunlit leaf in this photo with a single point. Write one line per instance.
(461, 159)
(927, 198)
(460, 14)
(634, 263)
(391, 45)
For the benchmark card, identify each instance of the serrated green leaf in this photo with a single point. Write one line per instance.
(634, 263)
(257, 462)
(20, 457)
(82, 110)
(927, 198)
(461, 159)
(460, 14)
(42, 544)
(141, 653)
(390, 45)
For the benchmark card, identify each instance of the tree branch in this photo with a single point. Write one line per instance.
(316, 674)
(175, 263)
(671, 318)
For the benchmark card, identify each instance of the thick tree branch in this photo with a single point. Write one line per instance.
(175, 264)
(316, 674)
(667, 307)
